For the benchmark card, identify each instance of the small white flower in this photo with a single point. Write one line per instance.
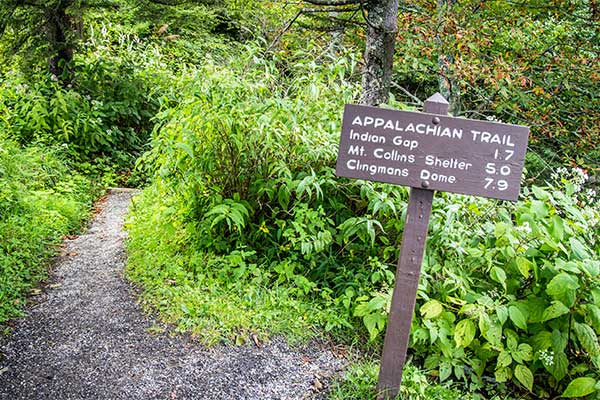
(524, 228)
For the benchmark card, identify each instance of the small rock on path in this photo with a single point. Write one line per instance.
(88, 339)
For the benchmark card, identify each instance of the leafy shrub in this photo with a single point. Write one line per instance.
(245, 203)
(40, 201)
(512, 297)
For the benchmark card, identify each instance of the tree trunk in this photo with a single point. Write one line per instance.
(447, 84)
(382, 26)
(58, 24)
(595, 10)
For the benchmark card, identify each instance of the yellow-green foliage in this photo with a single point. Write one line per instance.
(40, 201)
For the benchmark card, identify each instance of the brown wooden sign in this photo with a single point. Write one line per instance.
(427, 151)
(432, 151)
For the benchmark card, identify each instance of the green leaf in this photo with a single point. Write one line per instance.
(561, 284)
(504, 360)
(559, 340)
(376, 303)
(588, 339)
(498, 275)
(524, 375)
(542, 341)
(490, 330)
(591, 267)
(431, 309)
(524, 266)
(559, 366)
(517, 317)
(374, 324)
(558, 229)
(445, 371)
(578, 249)
(464, 333)
(592, 313)
(186, 148)
(523, 353)
(539, 209)
(502, 374)
(554, 311)
(502, 313)
(580, 387)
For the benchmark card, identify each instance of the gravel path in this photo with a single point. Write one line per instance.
(86, 338)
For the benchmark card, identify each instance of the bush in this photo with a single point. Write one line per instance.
(41, 200)
(245, 206)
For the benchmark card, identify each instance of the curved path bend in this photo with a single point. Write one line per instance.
(86, 338)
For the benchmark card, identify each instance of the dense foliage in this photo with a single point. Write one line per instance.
(245, 199)
(233, 115)
(41, 200)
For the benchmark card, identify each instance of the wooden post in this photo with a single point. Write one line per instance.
(407, 278)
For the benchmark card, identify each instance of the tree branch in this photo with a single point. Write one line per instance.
(334, 3)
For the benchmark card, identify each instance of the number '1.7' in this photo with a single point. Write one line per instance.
(508, 154)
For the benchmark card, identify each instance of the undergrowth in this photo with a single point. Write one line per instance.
(245, 229)
(41, 200)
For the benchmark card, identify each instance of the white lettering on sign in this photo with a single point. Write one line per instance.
(450, 163)
(393, 155)
(410, 144)
(372, 169)
(377, 123)
(434, 130)
(430, 151)
(486, 137)
(435, 177)
(366, 137)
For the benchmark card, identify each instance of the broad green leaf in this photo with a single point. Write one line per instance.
(524, 266)
(588, 339)
(498, 275)
(502, 313)
(524, 375)
(559, 341)
(445, 371)
(374, 324)
(591, 267)
(580, 387)
(512, 340)
(502, 374)
(517, 317)
(504, 359)
(559, 366)
(542, 341)
(539, 209)
(579, 251)
(376, 303)
(562, 283)
(540, 193)
(490, 330)
(186, 148)
(558, 229)
(535, 309)
(592, 313)
(464, 333)
(554, 311)
(523, 353)
(431, 309)
(500, 229)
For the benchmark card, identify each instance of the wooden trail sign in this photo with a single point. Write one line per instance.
(430, 151)
(427, 151)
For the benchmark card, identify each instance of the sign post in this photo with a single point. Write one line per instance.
(427, 151)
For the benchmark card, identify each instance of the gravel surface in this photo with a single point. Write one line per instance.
(86, 338)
